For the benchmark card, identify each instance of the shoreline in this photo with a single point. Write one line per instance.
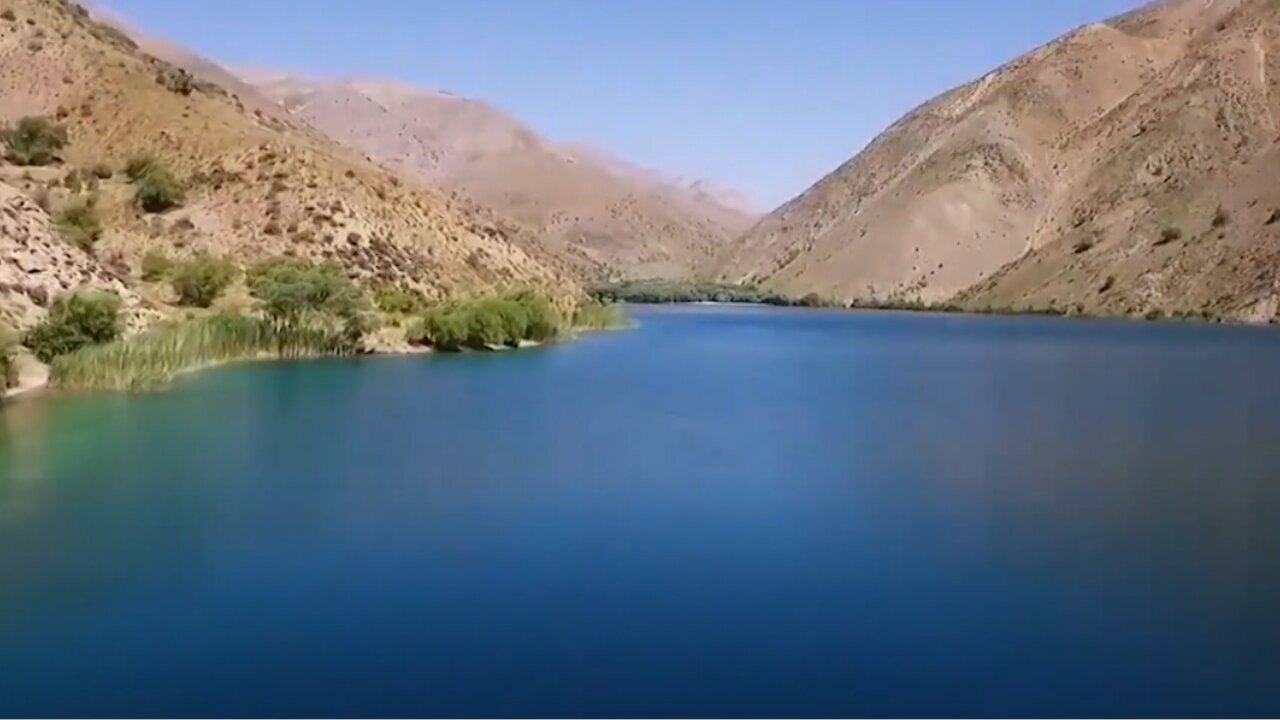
(1160, 319)
(37, 375)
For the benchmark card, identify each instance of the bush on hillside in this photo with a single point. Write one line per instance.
(79, 224)
(158, 190)
(200, 280)
(75, 320)
(33, 141)
(1168, 235)
(155, 265)
(290, 290)
(138, 166)
(102, 171)
(397, 300)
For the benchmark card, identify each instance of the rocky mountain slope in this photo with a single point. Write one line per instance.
(256, 185)
(1125, 168)
(604, 215)
(36, 266)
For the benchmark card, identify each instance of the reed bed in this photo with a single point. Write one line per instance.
(154, 358)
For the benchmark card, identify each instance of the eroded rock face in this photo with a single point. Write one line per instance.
(36, 266)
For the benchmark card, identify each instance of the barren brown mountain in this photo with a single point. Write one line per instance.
(605, 216)
(256, 185)
(1126, 168)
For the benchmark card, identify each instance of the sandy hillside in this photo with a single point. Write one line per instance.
(256, 185)
(1066, 171)
(604, 215)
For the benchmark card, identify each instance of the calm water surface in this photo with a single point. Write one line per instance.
(723, 512)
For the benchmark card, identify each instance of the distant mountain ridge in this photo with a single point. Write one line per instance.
(607, 216)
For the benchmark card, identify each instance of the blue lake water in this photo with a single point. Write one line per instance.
(725, 511)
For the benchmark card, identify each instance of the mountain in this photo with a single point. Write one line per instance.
(1125, 168)
(257, 185)
(605, 215)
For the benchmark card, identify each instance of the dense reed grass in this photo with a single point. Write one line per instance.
(593, 314)
(155, 357)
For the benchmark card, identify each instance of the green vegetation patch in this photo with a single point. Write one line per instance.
(33, 141)
(199, 281)
(489, 322)
(75, 320)
(79, 224)
(154, 358)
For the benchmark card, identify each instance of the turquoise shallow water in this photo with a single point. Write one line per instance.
(726, 511)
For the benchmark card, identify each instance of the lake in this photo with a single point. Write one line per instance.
(725, 511)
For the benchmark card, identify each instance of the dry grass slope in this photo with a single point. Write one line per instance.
(256, 185)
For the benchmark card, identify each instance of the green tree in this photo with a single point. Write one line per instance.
(33, 141)
(75, 320)
(290, 290)
(200, 280)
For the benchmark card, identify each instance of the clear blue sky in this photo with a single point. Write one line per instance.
(765, 96)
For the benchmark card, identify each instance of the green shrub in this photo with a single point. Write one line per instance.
(292, 289)
(139, 166)
(155, 265)
(596, 315)
(489, 322)
(158, 190)
(545, 321)
(75, 320)
(394, 299)
(200, 280)
(33, 141)
(155, 357)
(79, 224)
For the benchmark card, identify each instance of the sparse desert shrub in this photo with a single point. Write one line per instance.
(1083, 245)
(42, 198)
(1167, 235)
(200, 280)
(138, 166)
(79, 224)
(1220, 218)
(1107, 284)
(72, 182)
(158, 190)
(33, 141)
(102, 171)
(175, 79)
(9, 15)
(75, 320)
(155, 265)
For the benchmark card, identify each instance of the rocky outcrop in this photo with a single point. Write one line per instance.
(36, 266)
